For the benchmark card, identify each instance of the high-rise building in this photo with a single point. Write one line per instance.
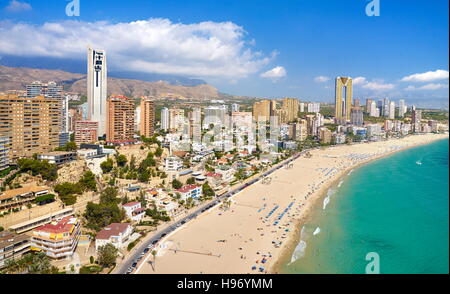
(391, 110)
(325, 136)
(313, 107)
(386, 105)
(165, 119)
(416, 119)
(176, 120)
(4, 149)
(292, 107)
(51, 90)
(374, 111)
(235, 107)
(120, 119)
(147, 117)
(263, 110)
(356, 116)
(86, 132)
(357, 103)
(97, 85)
(302, 107)
(343, 100)
(368, 105)
(32, 125)
(401, 108)
(215, 115)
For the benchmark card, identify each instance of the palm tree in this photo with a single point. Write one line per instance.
(154, 257)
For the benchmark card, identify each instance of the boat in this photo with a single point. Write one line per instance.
(418, 162)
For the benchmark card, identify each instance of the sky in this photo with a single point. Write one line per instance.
(264, 48)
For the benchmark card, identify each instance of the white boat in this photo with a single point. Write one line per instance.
(418, 162)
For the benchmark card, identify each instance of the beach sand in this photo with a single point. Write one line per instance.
(260, 229)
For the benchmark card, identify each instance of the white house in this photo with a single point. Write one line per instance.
(173, 163)
(134, 211)
(190, 191)
(116, 234)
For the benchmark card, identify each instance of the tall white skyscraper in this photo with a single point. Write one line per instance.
(165, 119)
(401, 108)
(392, 110)
(97, 88)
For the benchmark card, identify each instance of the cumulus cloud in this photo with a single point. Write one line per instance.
(427, 76)
(374, 85)
(429, 87)
(275, 73)
(359, 81)
(205, 49)
(321, 79)
(16, 6)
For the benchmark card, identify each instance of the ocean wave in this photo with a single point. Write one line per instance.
(330, 192)
(350, 172)
(340, 183)
(299, 251)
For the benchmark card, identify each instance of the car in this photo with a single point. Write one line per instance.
(134, 264)
(146, 250)
(163, 235)
(154, 242)
(183, 222)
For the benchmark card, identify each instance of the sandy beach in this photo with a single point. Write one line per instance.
(261, 227)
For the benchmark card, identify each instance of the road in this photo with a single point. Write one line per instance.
(156, 237)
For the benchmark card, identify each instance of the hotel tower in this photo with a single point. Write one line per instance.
(97, 88)
(343, 102)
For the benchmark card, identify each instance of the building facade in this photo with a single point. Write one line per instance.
(343, 99)
(147, 117)
(120, 119)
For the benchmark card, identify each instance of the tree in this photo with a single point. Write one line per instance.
(144, 176)
(190, 181)
(121, 160)
(87, 182)
(158, 152)
(67, 192)
(1, 229)
(107, 165)
(101, 215)
(207, 190)
(176, 184)
(109, 195)
(107, 255)
(47, 170)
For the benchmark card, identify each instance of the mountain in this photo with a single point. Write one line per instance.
(16, 78)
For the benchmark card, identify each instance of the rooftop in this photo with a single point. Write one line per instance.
(187, 188)
(129, 204)
(64, 225)
(113, 229)
(21, 191)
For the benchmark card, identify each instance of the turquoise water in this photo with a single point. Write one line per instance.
(394, 207)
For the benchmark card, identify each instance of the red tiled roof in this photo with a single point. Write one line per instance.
(212, 174)
(113, 229)
(130, 204)
(187, 188)
(62, 226)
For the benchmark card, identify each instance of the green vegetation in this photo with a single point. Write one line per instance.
(90, 269)
(439, 115)
(107, 255)
(106, 212)
(107, 165)
(70, 146)
(43, 168)
(121, 160)
(157, 215)
(6, 171)
(190, 181)
(44, 199)
(207, 190)
(30, 263)
(73, 104)
(68, 192)
(1, 229)
(87, 182)
(176, 184)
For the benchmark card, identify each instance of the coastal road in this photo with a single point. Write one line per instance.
(132, 262)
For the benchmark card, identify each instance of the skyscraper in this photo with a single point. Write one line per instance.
(386, 105)
(120, 119)
(165, 119)
(263, 110)
(291, 106)
(147, 123)
(401, 108)
(391, 110)
(416, 119)
(343, 101)
(97, 88)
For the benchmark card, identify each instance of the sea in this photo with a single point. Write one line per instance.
(390, 216)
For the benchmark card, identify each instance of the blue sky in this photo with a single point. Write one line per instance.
(248, 47)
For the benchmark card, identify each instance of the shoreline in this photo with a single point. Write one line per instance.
(235, 240)
(287, 251)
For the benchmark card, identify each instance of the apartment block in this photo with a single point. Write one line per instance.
(32, 125)
(120, 120)
(147, 117)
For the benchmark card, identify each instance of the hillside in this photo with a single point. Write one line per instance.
(12, 78)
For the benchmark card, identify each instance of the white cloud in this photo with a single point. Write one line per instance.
(427, 76)
(321, 79)
(206, 49)
(378, 86)
(275, 73)
(429, 87)
(16, 6)
(359, 81)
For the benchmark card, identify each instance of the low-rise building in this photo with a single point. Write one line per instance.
(58, 239)
(190, 191)
(58, 157)
(16, 198)
(134, 211)
(173, 163)
(116, 234)
(12, 246)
